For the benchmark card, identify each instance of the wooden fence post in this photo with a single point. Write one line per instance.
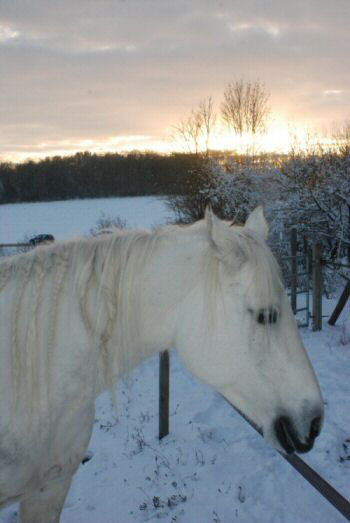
(306, 253)
(164, 372)
(316, 287)
(293, 280)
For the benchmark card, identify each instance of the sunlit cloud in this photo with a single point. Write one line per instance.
(271, 30)
(92, 47)
(333, 91)
(7, 33)
(111, 144)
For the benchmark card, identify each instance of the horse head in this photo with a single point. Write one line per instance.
(239, 335)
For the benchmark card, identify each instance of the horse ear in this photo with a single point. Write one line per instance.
(257, 223)
(223, 240)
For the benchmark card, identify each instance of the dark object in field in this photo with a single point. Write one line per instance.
(41, 238)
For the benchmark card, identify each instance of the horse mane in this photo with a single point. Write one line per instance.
(106, 271)
(111, 273)
(30, 364)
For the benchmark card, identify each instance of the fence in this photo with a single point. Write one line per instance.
(304, 276)
(6, 249)
(297, 278)
(33, 242)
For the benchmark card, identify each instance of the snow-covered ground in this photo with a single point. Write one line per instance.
(212, 467)
(75, 217)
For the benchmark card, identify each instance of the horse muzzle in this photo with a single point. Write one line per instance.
(287, 435)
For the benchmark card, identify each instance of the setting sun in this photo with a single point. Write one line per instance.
(280, 137)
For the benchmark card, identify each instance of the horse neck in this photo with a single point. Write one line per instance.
(171, 274)
(153, 294)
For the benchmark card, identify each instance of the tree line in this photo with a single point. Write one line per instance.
(87, 175)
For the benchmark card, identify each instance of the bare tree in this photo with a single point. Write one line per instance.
(198, 126)
(189, 129)
(206, 110)
(257, 109)
(233, 107)
(245, 107)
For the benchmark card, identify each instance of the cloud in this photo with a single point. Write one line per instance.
(88, 70)
(6, 33)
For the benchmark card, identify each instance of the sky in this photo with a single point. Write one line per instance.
(114, 75)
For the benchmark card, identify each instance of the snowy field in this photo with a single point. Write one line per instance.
(75, 217)
(212, 467)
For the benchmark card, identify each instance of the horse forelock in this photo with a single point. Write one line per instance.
(265, 277)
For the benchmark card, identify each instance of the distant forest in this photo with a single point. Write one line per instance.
(86, 175)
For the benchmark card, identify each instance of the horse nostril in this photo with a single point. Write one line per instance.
(284, 432)
(315, 428)
(288, 437)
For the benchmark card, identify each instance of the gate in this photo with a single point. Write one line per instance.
(297, 274)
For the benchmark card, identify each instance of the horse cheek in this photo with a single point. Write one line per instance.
(208, 354)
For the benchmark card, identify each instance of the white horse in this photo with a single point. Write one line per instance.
(77, 315)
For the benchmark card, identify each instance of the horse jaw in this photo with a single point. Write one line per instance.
(283, 399)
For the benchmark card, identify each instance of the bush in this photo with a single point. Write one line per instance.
(105, 222)
(316, 187)
(232, 189)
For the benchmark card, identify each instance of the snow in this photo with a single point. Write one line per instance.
(212, 467)
(75, 217)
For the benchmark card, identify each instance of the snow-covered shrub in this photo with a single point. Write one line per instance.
(105, 222)
(306, 190)
(232, 189)
(316, 188)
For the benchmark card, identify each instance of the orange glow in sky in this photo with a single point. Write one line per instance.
(280, 137)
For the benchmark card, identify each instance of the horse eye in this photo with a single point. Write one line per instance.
(261, 318)
(269, 316)
(273, 316)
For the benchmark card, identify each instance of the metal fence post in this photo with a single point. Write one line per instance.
(316, 287)
(340, 305)
(293, 277)
(164, 378)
